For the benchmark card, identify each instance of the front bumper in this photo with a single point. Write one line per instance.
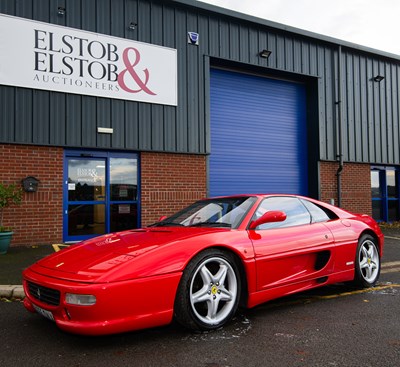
(120, 307)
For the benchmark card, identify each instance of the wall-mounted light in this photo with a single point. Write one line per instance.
(379, 78)
(61, 11)
(265, 54)
(132, 26)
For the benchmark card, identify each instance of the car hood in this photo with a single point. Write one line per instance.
(95, 259)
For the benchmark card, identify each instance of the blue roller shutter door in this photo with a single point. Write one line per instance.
(258, 135)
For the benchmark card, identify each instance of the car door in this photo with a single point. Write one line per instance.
(296, 252)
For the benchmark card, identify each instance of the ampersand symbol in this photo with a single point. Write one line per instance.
(130, 69)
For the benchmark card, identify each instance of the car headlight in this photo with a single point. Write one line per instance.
(80, 299)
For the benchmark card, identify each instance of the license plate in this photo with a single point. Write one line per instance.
(44, 313)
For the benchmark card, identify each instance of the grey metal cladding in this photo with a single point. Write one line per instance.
(370, 110)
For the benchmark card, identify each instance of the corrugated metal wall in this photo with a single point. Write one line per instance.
(370, 110)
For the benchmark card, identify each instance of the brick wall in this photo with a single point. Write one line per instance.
(38, 220)
(356, 186)
(169, 182)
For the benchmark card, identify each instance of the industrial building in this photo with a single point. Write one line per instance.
(122, 111)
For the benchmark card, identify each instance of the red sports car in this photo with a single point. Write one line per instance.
(199, 265)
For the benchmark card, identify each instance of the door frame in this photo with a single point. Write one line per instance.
(384, 198)
(106, 155)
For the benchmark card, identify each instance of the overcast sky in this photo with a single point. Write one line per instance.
(371, 23)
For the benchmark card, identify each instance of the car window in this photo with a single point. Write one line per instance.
(217, 212)
(296, 213)
(318, 214)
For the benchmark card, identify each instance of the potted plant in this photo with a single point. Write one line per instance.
(9, 195)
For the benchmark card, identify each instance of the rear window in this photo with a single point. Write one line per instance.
(318, 213)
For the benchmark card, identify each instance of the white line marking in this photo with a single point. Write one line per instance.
(390, 270)
(390, 264)
(393, 238)
(390, 267)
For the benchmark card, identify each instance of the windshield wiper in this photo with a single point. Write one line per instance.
(167, 224)
(211, 224)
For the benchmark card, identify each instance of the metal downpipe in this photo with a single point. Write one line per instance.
(339, 131)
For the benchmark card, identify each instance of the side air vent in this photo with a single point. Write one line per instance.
(322, 280)
(322, 259)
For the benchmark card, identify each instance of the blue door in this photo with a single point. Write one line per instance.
(100, 194)
(385, 192)
(258, 135)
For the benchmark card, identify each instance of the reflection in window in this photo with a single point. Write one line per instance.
(123, 217)
(296, 213)
(101, 191)
(393, 210)
(86, 180)
(391, 184)
(377, 209)
(123, 179)
(224, 212)
(375, 185)
(318, 213)
(86, 219)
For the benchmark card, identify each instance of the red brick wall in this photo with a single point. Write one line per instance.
(38, 220)
(169, 182)
(356, 185)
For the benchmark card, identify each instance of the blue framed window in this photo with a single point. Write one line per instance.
(385, 193)
(101, 193)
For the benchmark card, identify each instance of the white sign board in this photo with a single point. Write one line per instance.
(45, 56)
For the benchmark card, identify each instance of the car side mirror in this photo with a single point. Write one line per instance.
(162, 218)
(269, 217)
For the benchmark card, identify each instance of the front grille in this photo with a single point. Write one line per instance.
(44, 294)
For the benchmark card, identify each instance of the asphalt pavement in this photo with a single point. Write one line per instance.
(14, 262)
(335, 325)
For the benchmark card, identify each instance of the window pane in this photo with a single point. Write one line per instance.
(375, 185)
(223, 211)
(123, 179)
(377, 209)
(296, 213)
(86, 180)
(391, 184)
(86, 220)
(393, 210)
(123, 216)
(317, 214)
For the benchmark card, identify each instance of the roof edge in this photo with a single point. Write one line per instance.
(283, 27)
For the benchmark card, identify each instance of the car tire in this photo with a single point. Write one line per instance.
(367, 263)
(209, 291)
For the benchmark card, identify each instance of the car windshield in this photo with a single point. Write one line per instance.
(219, 212)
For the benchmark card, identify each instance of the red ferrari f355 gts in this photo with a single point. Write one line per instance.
(199, 265)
